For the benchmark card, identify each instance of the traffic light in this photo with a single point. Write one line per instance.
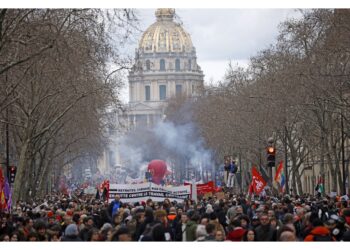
(271, 156)
(12, 173)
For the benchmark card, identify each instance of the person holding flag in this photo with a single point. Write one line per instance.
(280, 178)
(319, 187)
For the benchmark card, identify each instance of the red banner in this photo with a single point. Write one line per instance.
(258, 182)
(203, 188)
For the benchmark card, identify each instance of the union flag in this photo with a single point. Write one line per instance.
(258, 183)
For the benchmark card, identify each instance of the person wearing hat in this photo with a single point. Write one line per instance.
(71, 233)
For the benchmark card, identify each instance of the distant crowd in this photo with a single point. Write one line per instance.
(232, 218)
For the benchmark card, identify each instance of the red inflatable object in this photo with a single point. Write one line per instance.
(158, 169)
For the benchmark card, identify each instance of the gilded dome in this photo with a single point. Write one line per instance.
(165, 35)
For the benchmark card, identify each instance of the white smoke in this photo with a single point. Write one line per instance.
(164, 141)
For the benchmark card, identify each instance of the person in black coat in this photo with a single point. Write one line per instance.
(265, 232)
(149, 219)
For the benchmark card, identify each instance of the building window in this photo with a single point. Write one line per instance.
(189, 64)
(162, 92)
(178, 89)
(193, 88)
(148, 65)
(162, 65)
(148, 93)
(177, 64)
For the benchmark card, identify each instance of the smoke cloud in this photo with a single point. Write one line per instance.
(179, 145)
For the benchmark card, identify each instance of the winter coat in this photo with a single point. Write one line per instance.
(110, 209)
(191, 228)
(319, 233)
(236, 234)
(178, 232)
(265, 233)
(71, 238)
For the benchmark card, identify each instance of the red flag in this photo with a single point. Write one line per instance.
(258, 182)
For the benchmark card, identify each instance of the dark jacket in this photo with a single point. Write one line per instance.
(84, 233)
(178, 232)
(71, 238)
(265, 233)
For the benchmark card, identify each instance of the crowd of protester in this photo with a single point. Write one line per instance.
(232, 218)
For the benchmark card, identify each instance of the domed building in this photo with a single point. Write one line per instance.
(165, 65)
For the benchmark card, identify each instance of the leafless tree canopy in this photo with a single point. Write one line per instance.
(57, 85)
(296, 91)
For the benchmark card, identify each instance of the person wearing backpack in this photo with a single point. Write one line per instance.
(319, 232)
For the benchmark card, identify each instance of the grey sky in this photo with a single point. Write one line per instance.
(221, 35)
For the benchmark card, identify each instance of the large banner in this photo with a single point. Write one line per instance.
(144, 191)
(203, 188)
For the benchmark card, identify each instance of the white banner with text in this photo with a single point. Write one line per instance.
(144, 191)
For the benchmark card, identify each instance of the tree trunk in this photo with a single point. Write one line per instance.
(18, 192)
(294, 185)
(298, 178)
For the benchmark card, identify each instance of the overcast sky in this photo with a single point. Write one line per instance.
(221, 35)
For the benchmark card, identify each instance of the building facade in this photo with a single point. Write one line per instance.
(165, 65)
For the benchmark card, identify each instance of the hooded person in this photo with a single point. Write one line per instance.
(71, 233)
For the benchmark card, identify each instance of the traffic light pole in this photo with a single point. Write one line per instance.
(286, 161)
(271, 159)
(270, 176)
